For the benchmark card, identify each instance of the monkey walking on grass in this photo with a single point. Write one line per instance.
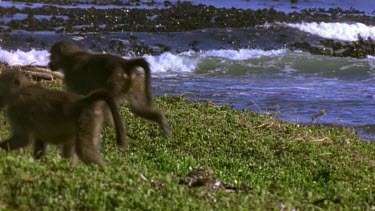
(85, 72)
(40, 116)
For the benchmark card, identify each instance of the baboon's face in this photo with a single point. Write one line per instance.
(11, 81)
(59, 52)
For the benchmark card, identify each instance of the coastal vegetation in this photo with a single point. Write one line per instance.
(217, 158)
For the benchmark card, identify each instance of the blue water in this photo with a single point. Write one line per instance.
(291, 85)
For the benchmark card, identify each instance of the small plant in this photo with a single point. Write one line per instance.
(270, 164)
(318, 115)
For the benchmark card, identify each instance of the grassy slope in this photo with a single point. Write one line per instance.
(274, 165)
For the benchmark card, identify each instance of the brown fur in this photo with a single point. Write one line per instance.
(86, 71)
(41, 116)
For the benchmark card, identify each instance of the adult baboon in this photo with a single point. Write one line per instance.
(86, 71)
(40, 116)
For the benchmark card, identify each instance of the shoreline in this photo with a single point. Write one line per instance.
(190, 36)
(218, 157)
(180, 27)
(44, 76)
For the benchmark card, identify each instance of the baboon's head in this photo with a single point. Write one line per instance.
(58, 53)
(11, 81)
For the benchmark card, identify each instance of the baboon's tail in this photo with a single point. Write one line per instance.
(106, 96)
(131, 65)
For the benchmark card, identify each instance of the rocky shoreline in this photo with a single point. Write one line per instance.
(176, 27)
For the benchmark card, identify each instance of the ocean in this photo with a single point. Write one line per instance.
(245, 72)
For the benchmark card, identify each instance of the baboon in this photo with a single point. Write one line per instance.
(85, 71)
(39, 116)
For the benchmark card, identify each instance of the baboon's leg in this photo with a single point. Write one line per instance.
(88, 135)
(68, 152)
(40, 148)
(97, 121)
(89, 155)
(108, 118)
(20, 138)
(151, 113)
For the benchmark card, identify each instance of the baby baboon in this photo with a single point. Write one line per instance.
(86, 71)
(40, 116)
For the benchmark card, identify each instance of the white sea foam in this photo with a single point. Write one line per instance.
(19, 57)
(166, 62)
(187, 61)
(339, 31)
(241, 54)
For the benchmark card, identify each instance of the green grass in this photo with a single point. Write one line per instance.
(272, 163)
